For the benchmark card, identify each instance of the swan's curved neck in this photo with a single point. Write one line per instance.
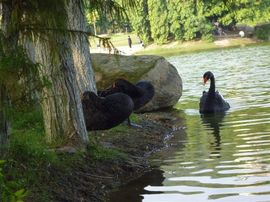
(212, 88)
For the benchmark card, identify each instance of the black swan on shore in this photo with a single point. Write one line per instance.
(141, 93)
(101, 113)
(212, 101)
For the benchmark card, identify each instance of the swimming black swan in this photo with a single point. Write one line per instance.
(141, 93)
(105, 113)
(212, 101)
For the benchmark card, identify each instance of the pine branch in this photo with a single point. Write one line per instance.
(105, 40)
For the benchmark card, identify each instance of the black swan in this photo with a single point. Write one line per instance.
(105, 113)
(212, 101)
(141, 93)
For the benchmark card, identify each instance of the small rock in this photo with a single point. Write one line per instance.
(66, 149)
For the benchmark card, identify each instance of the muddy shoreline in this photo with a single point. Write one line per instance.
(93, 180)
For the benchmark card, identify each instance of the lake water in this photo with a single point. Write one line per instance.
(215, 158)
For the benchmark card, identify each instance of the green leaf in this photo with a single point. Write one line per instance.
(2, 162)
(21, 193)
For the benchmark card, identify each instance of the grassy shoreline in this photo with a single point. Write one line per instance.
(177, 47)
(33, 170)
(119, 40)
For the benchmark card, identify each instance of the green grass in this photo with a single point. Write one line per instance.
(29, 158)
(173, 47)
(122, 128)
(99, 153)
(177, 48)
(27, 141)
(119, 39)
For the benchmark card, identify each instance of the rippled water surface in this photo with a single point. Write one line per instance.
(216, 158)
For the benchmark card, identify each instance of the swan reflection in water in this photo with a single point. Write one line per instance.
(213, 122)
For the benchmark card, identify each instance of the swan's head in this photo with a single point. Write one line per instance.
(207, 75)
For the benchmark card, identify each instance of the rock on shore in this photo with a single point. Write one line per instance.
(156, 69)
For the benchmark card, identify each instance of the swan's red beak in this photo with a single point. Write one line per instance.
(205, 80)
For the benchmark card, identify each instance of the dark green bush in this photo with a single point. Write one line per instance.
(8, 191)
(263, 32)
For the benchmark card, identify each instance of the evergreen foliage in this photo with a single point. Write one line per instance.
(158, 16)
(188, 21)
(140, 22)
(108, 16)
(20, 77)
(29, 20)
(159, 20)
(245, 12)
(263, 32)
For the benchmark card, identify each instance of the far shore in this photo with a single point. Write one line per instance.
(179, 47)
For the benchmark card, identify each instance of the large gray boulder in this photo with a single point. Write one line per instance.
(156, 69)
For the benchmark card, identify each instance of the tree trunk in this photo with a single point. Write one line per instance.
(9, 43)
(66, 64)
(80, 47)
(31, 88)
(4, 124)
(61, 104)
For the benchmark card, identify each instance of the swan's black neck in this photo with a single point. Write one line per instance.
(212, 88)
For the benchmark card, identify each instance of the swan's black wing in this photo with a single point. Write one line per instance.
(221, 102)
(116, 109)
(107, 91)
(93, 102)
(146, 88)
(118, 104)
(211, 103)
(203, 101)
(145, 92)
(102, 113)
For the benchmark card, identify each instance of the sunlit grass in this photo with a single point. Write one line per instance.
(119, 39)
(178, 47)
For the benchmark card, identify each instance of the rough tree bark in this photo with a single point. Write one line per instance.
(61, 104)
(9, 43)
(80, 47)
(68, 69)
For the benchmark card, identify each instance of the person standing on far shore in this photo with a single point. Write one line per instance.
(129, 42)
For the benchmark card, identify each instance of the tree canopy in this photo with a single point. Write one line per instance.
(161, 20)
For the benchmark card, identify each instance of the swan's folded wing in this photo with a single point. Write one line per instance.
(221, 101)
(203, 101)
(101, 104)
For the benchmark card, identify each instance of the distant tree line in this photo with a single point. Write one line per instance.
(161, 20)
